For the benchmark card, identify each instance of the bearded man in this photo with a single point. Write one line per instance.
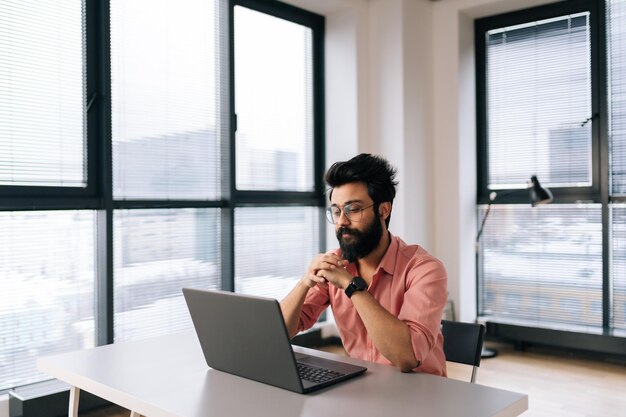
(387, 297)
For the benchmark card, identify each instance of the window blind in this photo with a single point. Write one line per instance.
(273, 102)
(618, 267)
(157, 252)
(46, 289)
(272, 270)
(616, 45)
(542, 264)
(167, 98)
(538, 98)
(42, 93)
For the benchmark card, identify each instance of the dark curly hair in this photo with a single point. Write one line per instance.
(372, 170)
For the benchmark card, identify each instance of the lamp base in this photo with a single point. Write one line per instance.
(487, 353)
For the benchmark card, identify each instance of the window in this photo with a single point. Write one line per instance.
(166, 134)
(156, 253)
(130, 165)
(539, 95)
(274, 147)
(166, 100)
(42, 94)
(272, 270)
(551, 103)
(616, 60)
(47, 278)
(273, 103)
(549, 257)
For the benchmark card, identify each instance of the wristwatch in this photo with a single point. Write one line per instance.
(357, 284)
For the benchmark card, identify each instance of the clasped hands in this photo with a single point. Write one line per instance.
(327, 268)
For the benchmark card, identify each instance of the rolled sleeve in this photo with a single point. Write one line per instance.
(315, 303)
(423, 306)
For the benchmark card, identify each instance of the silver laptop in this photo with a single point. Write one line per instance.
(246, 336)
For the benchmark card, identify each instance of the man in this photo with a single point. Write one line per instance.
(387, 297)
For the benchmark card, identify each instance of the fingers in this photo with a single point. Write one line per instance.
(323, 262)
(313, 280)
(326, 261)
(337, 277)
(327, 265)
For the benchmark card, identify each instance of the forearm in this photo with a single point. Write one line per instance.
(389, 335)
(291, 307)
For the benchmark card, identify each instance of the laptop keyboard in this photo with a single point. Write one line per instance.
(315, 374)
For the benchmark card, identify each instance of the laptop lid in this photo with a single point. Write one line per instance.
(246, 336)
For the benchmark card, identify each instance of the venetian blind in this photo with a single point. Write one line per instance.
(616, 45)
(167, 96)
(42, 93)
(618, 268)
(538, 99)
(157, 253)
(273, 247)
(616, 52)
(47, 285)
(542, 264)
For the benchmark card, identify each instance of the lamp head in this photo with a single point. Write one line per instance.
(538, 194)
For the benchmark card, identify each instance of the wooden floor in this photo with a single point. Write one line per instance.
(557, 385)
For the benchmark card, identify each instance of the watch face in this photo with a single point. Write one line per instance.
(357, 284)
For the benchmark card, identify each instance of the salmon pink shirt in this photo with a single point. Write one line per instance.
(411, 285)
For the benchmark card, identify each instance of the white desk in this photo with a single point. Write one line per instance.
(167, 376)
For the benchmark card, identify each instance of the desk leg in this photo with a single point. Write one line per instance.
(74, 397)
(135, 414)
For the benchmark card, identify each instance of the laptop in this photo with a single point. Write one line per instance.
(246, 336)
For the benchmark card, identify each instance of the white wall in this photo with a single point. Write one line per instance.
(4, 406)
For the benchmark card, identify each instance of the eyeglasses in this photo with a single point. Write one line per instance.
(354, 213)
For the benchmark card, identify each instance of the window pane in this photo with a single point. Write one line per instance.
(157, 252)
(42, 93)
(46, 289)
(273, 100)
(273, 247)
(538, 96)
(616, 41)
(618, 267)
(542, 264)
(166, 93)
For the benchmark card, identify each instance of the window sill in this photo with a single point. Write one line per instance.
(606, 344)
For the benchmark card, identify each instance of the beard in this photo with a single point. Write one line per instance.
(359, 244)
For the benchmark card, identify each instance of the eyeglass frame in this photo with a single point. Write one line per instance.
(330, 217)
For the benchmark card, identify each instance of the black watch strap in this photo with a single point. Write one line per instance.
(357, 284)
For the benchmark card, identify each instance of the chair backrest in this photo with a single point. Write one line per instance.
(463, 343)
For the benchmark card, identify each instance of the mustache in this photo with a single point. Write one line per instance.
(345, 230)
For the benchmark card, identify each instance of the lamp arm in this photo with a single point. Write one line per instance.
(492, 196)
(482, 226)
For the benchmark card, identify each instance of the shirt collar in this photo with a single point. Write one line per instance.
(388, 262)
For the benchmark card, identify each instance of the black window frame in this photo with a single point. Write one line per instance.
(98, 194)
(607, 339)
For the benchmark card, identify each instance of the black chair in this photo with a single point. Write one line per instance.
(463, 342)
